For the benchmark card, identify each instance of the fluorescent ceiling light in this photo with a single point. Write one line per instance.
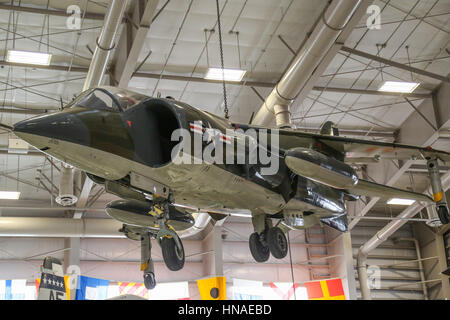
(401, 202)
(9, 195)
(228, 74)
(402, 87)
(27, 57)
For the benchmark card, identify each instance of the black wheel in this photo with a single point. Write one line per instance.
(259, 252)
(149, 280)
(443, 214)
(173, 257)
(277, 242)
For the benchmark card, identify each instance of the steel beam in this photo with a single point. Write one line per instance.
(83, 197)
(373, 92)
(52, 12)
(126, 55)
(395, 64)
(144, 75)
(241, 83)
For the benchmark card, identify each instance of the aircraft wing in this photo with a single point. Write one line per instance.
(358, 148)
(371, 189)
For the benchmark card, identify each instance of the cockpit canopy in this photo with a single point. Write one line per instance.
(108, 98)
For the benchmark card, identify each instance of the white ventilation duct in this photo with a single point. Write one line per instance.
(77, 228)
(60, 228)
(201, 221)
(384, 234)
(66, 197)
(324, 36)
(105, 43)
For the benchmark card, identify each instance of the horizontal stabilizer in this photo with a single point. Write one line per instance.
(371, 189)
(338, 222)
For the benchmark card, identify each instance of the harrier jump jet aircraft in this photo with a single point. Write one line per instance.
(124, 140)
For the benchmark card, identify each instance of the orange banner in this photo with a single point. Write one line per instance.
(325, 290)
(137, 289)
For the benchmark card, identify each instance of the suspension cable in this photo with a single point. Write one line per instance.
(225, 109)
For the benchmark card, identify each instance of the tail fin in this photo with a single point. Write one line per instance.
(329, 129)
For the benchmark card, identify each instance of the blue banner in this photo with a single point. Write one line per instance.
(91, 288)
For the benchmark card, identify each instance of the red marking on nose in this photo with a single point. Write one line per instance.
(129, 123)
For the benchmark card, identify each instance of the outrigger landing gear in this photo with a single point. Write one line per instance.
(170, 242)
(147, 262)
(267, 240)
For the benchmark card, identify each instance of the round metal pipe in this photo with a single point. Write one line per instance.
(201, 221)
(66, 197)
(105, 43)
(334, 19)
(78, 228)
(60, 228)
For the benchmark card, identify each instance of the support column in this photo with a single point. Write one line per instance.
(341, 266)
(72, 260)
(442, 265)
(213, 262)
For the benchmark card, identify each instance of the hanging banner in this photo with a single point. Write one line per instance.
(12, 289)
(91, 289)
(137, 289)
(287, 291)
(66, 284)
(325, 290)
(247, 289)
(52, 287)
(212, 288)
(170, 291)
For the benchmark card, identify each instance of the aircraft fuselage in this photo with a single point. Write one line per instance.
(112, 143)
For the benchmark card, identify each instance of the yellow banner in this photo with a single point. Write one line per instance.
(212, 288)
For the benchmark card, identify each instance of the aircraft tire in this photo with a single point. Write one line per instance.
(149, 280)
(173, 257)
(259, 252)
(277, 242)
(443, 214)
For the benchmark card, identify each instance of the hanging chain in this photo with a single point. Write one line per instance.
(225, 109)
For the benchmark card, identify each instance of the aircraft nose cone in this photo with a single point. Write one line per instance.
(60, 126)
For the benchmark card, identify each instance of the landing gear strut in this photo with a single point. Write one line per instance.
(438, 191)
(267, 240)
(147, 262)
(170, 242)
